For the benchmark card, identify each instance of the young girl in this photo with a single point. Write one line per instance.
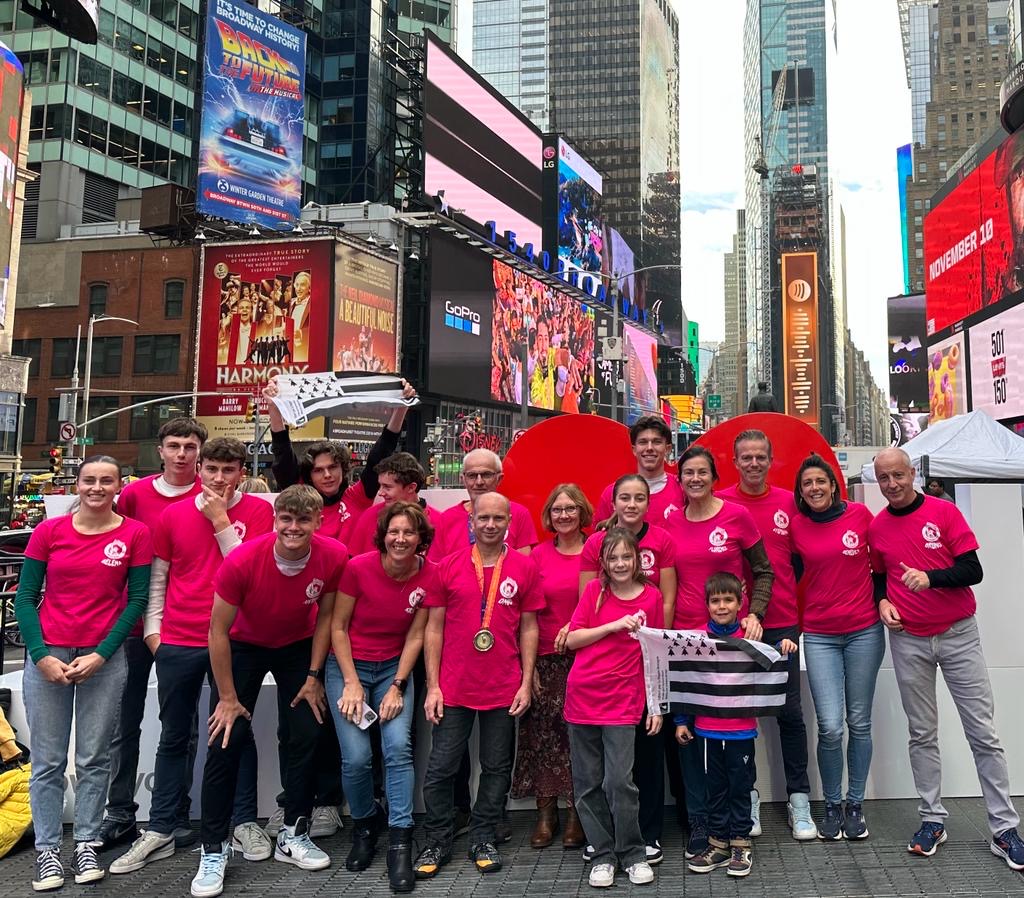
(604, 701)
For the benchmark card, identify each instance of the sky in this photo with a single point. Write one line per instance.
(869, 117)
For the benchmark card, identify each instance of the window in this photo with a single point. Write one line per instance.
(33, 349)
(58, 122)
(97, 299)
(62, 362)
(28, 424)
(174, 299)
(10, 408)
(106, 356)
(104, 431)
(188, 22)
(157, 354)
(147, 421)
(127, 92)
(52, 420)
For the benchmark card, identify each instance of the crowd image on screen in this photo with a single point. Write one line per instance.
(580, 230)
(359, 354)
(263, 321)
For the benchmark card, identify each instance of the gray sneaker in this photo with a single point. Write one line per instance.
(148, 847)
(326, 821)
(275, 823)
(251, 842)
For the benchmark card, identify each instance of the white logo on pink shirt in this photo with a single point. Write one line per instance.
(343, 513)
(115, 551)
(415, 597)
(313, 590)
(718, 538)
(932, 535)
(239, 528)
(851, 539)
(669, 510)
(647, 562)
(508, 589)
(781, 520)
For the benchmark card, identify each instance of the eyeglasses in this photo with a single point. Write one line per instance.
(565, 511)
(485, 476)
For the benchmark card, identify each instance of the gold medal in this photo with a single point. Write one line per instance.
(483, 641)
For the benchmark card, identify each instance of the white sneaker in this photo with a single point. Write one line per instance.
(798, 815)
(294, 846)
(326, 821)
(588, 853)
(251, 842)
(275, 823)
(602, 876)
(640, 873)
(209, 881)
(755, 813)
(654, 853)
(148, 847)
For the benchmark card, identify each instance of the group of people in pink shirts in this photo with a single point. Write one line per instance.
(364, 613)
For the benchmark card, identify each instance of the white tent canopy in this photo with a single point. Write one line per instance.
(970, 446)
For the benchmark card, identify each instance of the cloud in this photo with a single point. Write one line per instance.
(707, 202)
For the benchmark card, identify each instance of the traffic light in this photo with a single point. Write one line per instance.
(56, 460)
(250, 411)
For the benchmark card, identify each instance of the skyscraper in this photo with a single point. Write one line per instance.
(608, 79)
(955, 99)
(732, 352)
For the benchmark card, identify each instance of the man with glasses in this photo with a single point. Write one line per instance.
(651, 440)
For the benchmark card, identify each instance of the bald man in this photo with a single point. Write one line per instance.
(480, 648)
(925, 560)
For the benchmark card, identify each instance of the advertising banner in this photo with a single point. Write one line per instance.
(997, 364)
(251, 121)
(800, 335)
(947, 380)
(641, 354)
(266, 309)
(365, 335)
(12, 94)
(908, 354)
(581, 238)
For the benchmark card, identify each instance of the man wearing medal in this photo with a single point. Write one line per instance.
(480, 648)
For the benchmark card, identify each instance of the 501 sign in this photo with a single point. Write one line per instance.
(998, 368)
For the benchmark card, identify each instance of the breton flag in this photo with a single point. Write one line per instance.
(304, 396)
(693, 672)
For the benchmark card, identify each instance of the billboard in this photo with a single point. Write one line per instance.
(801, 358)
(908, 354)
(974, 239)
(480, 153)
(641, 354)
(265, 310)
(997, 364)
(251, 121)
(581, 240)
(947, 379)
(12, 95)
(904, 170)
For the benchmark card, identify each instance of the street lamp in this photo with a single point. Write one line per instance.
(93, 319)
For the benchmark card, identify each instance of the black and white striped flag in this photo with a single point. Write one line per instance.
(693, 672)
(304, 396)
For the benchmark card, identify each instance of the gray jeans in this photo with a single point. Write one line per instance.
(95, 706)
(957, 652)
(607, 799)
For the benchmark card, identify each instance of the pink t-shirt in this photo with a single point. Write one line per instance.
(86, 577)
(366, 528)
(384, 608)
(483, 680)
(704, 548)
(606, 683)
(838, 592)
(184, 538)
(928, 539)
(452, 530)
(339, 519)
(656, 553)
(274, 609)
(772, 511)
(667, 500)
(560, 582)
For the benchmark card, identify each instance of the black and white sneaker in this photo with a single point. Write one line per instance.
(49, 871)
(85, 865)
(654, 853)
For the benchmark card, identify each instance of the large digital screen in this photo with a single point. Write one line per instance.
(904, 170)
(947, 379)
(251, 122)
(12, 94)
(974, 239)
(997, 364)
(908, 354)
(480, 153)
(641, 354)
(266, 309)
(801, 357)
(582, 242)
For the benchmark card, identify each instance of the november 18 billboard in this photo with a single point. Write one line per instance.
(250, 146)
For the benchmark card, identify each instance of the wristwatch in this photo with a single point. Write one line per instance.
(313, 672)
(400, 684)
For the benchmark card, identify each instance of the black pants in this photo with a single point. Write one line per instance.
(327, 760)
(792, 732)
(730, 779)
(249, 665)
(497, 751)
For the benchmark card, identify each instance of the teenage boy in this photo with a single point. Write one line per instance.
(190, 541)
(274, 596)
(178, 445)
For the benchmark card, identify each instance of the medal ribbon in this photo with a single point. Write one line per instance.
(487, 600)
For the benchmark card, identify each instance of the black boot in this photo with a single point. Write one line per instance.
(400, 874)
(364, 842)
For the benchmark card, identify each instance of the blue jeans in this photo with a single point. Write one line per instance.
(396, 744)
(95, 705)
(841, 671)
